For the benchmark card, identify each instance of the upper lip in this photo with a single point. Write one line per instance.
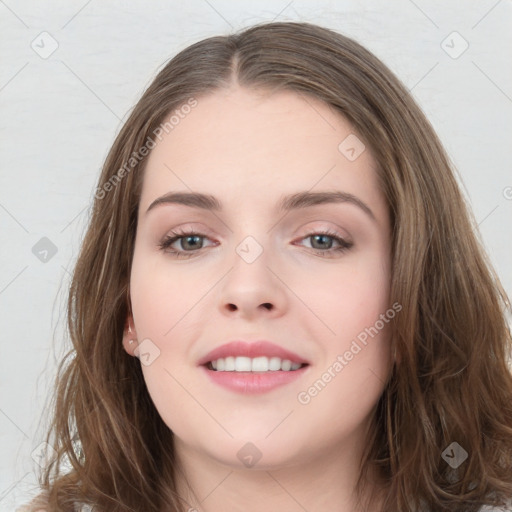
(251, 349)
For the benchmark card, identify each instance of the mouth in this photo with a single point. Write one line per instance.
(256, 367)
(262, 364)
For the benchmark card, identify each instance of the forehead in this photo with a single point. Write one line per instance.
(244, 145)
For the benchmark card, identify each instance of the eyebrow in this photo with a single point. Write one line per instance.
(287, 203)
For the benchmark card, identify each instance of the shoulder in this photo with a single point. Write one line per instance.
(38, 504)
(484, 508)
(488, 508)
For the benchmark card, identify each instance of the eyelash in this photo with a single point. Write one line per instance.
(165, 244)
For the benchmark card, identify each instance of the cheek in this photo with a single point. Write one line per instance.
(357, 357)
(347, 297)
(165, 300)
(162, 294)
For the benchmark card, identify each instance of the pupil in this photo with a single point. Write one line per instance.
(191, 237)
(315, 237)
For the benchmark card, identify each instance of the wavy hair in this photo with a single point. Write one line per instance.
(452, 380)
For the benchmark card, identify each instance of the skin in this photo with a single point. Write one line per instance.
(248, 149)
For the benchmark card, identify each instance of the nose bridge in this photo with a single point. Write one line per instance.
(251, 261)
(251, 284)
(250, 249)
(250, 232)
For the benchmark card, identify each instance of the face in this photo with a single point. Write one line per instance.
(301, 287)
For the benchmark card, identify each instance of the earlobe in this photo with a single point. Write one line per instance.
(130, 337)
(396, 357)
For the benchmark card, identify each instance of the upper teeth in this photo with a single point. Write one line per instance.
(256, 364)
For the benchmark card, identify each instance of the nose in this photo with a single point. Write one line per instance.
(252, 289)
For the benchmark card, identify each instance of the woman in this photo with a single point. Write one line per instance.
(261, 369)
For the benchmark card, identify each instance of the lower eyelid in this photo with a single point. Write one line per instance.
(341, 244)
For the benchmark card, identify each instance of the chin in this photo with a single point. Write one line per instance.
(256, 455)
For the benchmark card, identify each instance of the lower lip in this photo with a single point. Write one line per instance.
(253, 382)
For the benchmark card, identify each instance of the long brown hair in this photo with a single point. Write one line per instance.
(451, 383)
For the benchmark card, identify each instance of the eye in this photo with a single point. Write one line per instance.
(190, 242)
(321, 240)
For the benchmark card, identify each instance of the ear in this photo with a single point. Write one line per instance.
(397, 357)
(130, 337)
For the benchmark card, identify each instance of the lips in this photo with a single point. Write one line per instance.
(252, 350)
(263, 377)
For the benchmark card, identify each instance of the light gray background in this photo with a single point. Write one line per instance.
(59, 116)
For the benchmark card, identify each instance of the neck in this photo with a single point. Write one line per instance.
(324, 482)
